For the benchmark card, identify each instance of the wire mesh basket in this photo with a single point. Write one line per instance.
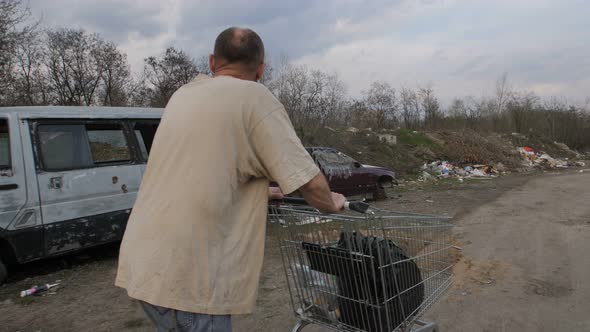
(375, 272)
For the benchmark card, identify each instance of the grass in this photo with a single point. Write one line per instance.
(414, 138)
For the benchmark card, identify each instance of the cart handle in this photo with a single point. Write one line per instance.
(357, 206)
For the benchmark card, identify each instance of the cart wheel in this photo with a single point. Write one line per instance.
(299, 326)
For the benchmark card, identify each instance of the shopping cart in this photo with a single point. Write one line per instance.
(374, 271)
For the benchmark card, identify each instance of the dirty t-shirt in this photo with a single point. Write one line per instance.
(195, 239)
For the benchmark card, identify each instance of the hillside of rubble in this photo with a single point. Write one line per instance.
(438, 154)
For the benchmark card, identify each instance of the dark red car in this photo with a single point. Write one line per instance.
(349, 177)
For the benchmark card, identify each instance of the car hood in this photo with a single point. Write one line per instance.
(377, 168)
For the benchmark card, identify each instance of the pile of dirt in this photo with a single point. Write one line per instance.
(469, 147)
(365, 146)
(412, 149)
(542, 144)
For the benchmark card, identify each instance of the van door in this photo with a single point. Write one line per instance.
(20, 220)
(88, 181)
(12, 177)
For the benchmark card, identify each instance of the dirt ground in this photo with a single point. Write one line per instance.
(524, 266)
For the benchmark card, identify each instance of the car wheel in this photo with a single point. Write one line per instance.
(379, 194)
(3, 273)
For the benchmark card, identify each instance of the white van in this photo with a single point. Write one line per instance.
(68, 177)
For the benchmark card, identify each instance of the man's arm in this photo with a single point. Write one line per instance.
(280, 157)
(275, 193)
(317, 193)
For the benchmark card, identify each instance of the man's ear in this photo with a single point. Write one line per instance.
(212, 63)
(260, 71)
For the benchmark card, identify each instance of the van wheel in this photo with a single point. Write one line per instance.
(3, 273)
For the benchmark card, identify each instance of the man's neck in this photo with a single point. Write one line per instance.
(236, 73)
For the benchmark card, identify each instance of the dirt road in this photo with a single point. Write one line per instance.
(526, 265)
(524, 268)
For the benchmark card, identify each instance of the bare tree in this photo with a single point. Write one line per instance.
(503, 92)
(15, 28)
(202, 63)
(116, 76)
(554, 108)
(291, 89)
(410, 108)
(267, 74)
(430, 106)
(167, 73)
(31, 86)
(519, 108)
(74, 65)
(381, 99)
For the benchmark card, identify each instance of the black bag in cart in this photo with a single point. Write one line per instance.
(379, 286)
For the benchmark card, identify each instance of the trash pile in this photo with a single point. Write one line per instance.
(532, 158)
(444, 169)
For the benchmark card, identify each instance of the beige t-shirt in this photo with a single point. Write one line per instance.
(195, 239)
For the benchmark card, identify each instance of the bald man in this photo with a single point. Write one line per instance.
(194, 244)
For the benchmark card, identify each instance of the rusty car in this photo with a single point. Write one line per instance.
(349, 177)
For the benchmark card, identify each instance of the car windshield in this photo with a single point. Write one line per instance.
(334, 163)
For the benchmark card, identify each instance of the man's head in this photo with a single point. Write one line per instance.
(239, 52)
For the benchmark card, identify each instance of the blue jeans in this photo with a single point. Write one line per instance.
(167, 320)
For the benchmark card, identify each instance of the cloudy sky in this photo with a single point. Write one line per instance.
(460, 47)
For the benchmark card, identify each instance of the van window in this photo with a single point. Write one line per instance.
(145, 132)
(75, 146)
(64, 146)
(107, 143)
(4, 146)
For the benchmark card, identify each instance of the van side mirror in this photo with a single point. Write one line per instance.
(357, 164)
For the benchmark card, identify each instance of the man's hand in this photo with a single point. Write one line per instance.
(275, 193)
(338, 200)
(317, 193)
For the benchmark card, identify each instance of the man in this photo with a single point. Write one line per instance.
(192, 252)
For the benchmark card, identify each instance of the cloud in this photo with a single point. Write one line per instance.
(462, 48)
(459, 46)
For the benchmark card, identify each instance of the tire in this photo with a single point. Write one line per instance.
(3, 273)
(379, 194)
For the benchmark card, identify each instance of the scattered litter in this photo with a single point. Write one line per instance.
(484, 282)
(539, 159)
(566, 148)
(429, 201)
(322, 284)
(37, 289)
(426, 176)
(456, 247)
(388, 138)
(444, 169)
(352, 130)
